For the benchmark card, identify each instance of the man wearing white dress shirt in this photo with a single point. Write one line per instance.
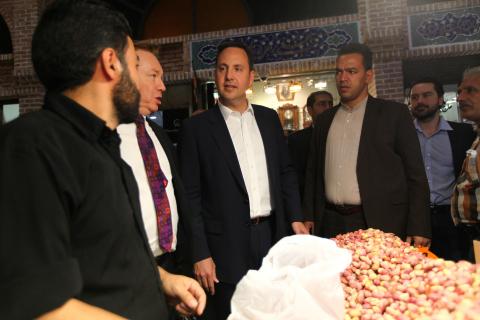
(151, 89)
(241, 186)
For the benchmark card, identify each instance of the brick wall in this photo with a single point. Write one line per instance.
(171, 56)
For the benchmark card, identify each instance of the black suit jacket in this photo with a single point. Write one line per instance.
(461, 139)
(299, 144)
(183, 260)
(220, 218)
(390, 171)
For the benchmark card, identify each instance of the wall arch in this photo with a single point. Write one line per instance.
(5, 37)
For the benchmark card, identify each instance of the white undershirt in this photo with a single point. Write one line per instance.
(250, 151)
(130, 152)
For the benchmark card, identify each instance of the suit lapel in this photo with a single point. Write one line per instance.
(167, 147)
(224, 142)
(370, 120)
(164, 142)
(324, 127)
(268, 139)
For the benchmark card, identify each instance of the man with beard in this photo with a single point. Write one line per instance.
(72, 242)
(466, 194)
(365, 167)
(443, 144)
(152, 161)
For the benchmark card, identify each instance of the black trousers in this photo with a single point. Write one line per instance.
(448, 241)
(471, 232)
(218, 305)
(335, 223)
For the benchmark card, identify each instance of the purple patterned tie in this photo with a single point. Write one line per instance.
(158, 184)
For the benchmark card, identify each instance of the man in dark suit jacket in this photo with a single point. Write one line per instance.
(299, 142)
(151, 87)
(241, 186)
(443, 145)
(365, 167)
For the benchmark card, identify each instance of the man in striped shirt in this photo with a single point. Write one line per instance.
(466, 195)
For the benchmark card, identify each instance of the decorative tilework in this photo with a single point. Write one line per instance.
(440, 28)
(297, 44)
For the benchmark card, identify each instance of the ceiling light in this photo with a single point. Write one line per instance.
(321, 84)
(249, 91)
(295, 86)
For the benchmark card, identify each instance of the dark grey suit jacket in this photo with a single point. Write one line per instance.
(390, 171)
(461, 139)
(220, 218)
(299, 145)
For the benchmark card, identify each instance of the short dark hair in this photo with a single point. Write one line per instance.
(436, 85)
(235, 44)
(69, 38)
(311, 98)
(361, 49)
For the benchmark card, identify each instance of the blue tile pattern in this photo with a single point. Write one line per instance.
(439, 28)
(296, 44)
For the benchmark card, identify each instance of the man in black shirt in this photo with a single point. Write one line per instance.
(72, 241)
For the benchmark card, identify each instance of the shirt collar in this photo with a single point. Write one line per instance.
(227, 112)
(361, 105)
(87, 123)
(442, 126)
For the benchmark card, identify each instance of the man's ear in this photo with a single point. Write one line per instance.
(110, 63)
(251, 77)
(370, 75)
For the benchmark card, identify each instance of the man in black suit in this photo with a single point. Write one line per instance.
(299, 142)
(242, 188)
(365, 167)
(151, 86)
(443, 144)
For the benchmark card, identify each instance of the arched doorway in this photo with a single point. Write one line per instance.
(5, 38)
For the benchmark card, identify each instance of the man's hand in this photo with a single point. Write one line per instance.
(184, 293)
(299, 228)
(418, 241)
(309, 226)
(205, 273)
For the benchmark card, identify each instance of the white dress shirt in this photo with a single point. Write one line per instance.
(130, 152)
(250, 151)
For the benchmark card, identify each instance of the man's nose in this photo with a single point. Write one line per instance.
(161, 86)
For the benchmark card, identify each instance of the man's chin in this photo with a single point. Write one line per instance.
(147, 111)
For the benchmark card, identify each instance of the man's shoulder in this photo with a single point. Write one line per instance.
(460, 126)
(300, 134)
(264, 110)
(31, 126)
(385, 103)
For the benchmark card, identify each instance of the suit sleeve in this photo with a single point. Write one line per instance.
(408, 147)
(310, 177)
(288, 176)
(191, 176)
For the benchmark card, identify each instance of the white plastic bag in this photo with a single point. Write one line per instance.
(299, 280)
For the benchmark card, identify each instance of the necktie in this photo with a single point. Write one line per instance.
(158, 184)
